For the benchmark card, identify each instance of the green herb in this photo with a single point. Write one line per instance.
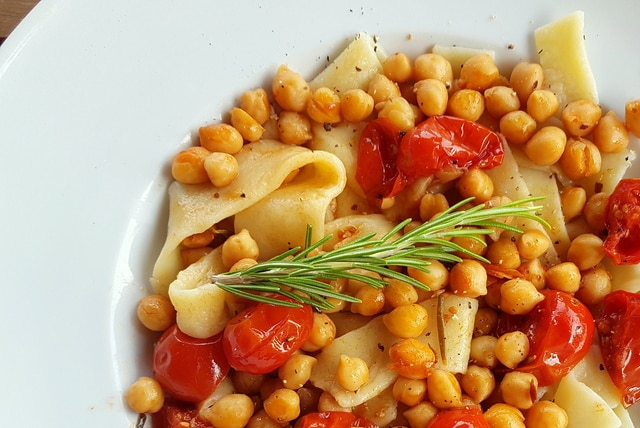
(304, 274)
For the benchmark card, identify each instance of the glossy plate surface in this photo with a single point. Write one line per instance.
(96, 97)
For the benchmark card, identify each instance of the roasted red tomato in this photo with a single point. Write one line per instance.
(376, 169)
(333, 420)
(263, 336)
(622, 244)
(560, 331)
(187, 368)
(388, 159)
(177, 414)
(463, 417)
(620, 342)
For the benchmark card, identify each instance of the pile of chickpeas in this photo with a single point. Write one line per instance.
(405, 92)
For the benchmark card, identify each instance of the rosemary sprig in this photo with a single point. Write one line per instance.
(303, 274)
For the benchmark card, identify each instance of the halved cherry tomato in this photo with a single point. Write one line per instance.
(620, 342)
(560, 331)
(333, 420)
(388, 159)
(178, 414)
(187, 368)
(262, 337)
(622, 222)
(463, 417)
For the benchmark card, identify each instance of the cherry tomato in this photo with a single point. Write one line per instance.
(622, 222)
(187, 368)
(376, 169)
(333, 420)
(463, 417)
(262, 337)
(175, 414)
(620, 342)
(388, 159)
(560, 331)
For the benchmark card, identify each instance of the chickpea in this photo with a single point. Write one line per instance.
(409, 391)
(595, 284)
(572, 200)
(546, 146)
(327, 403)
(398, 293)
(610, 134)
(581, 158)
(504, 415)
(519, 296)
(230, 411)
(381, 89)
(525, 78)
(156, 312)
(145, 395)
(632, 117)
(399, 112)
(478, 382)
(188, 166)
(356, 105)
(436, 277)
(519, 389)
(475, 245)
(478, 72)
(398, 67)
(512, 348)
(595, 211)
(294, 128)
(517, 127)
(420, 415)
(290, 90)
(466, 104)
(432, 204)
(283, 405)
(432, 96)
(324, 106)
(222, 168)
(483, 351)
(239, 246)
(247, 383)
(504, 252)
(248, 127)
(406, 321)
(564, 277)
(412, 358)
(221, 137)
(443, 389)
(261, 419)
(586, 251)
(323, 331)
(372, 301)
(545, 414)
(532, 244)
(433, 66)
(468, 278)
(542, 105)
(485, 321)
(256, 103)
(500, 100)
(189, 256)
(580, 117)
(477, 184)
(296, 371)
(352, 372)
(534, 272)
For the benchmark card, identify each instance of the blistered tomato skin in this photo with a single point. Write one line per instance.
(189, 369)
(262, 337)
(620, 342)
(333, 420)
(176, 414)
(560, 331)
(622, 243)
(464, 417)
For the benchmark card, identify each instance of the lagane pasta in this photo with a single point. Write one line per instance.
(402, 242)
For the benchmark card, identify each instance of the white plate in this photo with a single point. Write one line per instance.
(95, 98)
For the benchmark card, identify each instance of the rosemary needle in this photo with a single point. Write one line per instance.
(304, 274)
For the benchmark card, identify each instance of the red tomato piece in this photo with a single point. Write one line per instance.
(622, 222)
(376, 169)
(389, 159)
(177, 414)
(620, 342)
(442, 142)
(560, 331)
(333, 420)
(187, 368)
(463, 417)
(262, 337)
